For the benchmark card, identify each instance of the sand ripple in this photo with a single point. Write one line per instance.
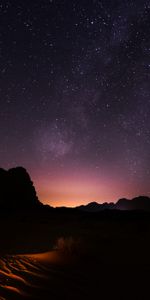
(36, 276)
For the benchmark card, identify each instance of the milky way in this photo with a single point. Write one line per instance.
(75, 97)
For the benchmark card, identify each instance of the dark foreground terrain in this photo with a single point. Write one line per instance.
(67, 254)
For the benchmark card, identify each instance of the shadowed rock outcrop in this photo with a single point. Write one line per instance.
(137, 203)
(17, 189)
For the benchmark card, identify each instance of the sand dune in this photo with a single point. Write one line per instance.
(109, 262)
(48, 276)
(21, 275)
(37, 276)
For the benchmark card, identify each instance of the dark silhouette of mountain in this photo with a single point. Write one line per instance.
(17, 189)
(95, 207)
(123, 204)
(137, 203)
(17, 192)
(141, 202)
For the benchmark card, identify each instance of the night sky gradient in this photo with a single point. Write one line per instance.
(75, 97)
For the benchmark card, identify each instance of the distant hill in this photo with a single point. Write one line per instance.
(17, 190)
(141, 202)
(137, 203)
(94, 206)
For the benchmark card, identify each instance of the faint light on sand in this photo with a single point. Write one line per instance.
(14, 289)
(46, 257)
(12, 276)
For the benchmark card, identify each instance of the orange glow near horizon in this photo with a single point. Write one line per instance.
(81, 189)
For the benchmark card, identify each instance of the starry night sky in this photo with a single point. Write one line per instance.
(75, 97)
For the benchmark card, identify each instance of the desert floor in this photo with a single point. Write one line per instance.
(57, 255)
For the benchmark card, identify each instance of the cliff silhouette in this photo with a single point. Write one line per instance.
(137, 203)
(17, 190)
